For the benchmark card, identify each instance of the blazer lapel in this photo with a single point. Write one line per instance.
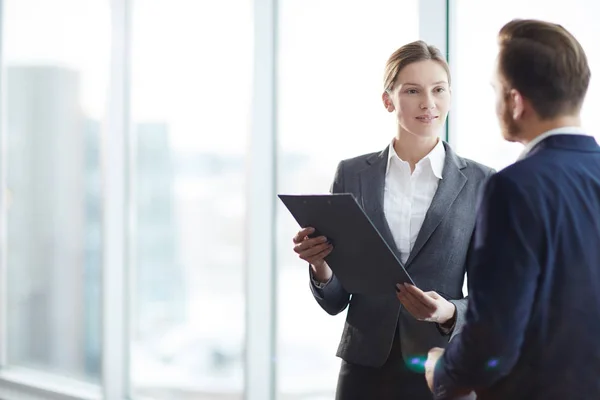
(448, 190)
(372, 186)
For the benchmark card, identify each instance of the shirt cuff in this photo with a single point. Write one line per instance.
(446, 331)
(316, 283)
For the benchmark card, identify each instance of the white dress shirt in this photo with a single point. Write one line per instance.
(565, 130)
(407, 196)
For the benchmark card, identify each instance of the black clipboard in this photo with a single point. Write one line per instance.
(361, 259)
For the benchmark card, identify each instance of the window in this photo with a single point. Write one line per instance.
(476, 134)
(191, 86)
(56, 72)
(192, 182)
(329, 102)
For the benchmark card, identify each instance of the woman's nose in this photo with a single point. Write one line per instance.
(427, 103)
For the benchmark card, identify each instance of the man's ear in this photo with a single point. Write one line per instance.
(517, 104)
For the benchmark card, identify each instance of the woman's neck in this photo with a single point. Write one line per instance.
(412, 148)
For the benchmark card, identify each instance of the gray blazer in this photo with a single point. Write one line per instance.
(436, 262)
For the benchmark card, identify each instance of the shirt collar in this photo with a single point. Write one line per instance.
(565, 130)
(436, 157)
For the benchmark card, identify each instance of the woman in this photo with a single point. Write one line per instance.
(422, 197)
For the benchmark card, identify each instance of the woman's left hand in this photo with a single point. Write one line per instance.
(425, 306)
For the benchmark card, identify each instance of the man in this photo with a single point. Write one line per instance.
(532, 327)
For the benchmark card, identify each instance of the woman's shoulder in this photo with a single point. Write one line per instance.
(475, 170)
(364, 159)
(468, 166)
(478, 167)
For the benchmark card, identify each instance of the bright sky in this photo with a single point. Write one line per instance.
(192, 61)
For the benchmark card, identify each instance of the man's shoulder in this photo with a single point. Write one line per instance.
(517, 172)
(533, 167)
(520, 179)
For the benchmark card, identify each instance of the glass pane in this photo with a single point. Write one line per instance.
(477, 134)
(56, 61)
(192, 77)
(330, 85)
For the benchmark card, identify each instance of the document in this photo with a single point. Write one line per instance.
(361, 259)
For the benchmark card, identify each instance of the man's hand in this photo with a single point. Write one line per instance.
(432, 358)
(426, 306)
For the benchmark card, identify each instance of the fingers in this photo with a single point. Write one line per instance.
(426, 299)
(430, 363)
(434, 351)
(415, 308)
(319, 257)
(433, 356)
(430, 372)
(307, 244)
(302, 234)
(413, 304)
(314, 251)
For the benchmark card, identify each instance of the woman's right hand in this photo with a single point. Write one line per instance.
(313, 251)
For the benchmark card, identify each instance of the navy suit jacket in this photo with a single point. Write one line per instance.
(532, 327)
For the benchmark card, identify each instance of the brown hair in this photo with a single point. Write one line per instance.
(408, 54)
(546, 64)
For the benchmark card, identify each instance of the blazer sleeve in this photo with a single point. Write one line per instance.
(331, 296)
(461, 310)
(503, 273)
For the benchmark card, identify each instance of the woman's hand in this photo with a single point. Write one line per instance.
(313, 251)
(426, 306)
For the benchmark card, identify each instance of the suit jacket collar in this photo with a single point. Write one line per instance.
(565, 130)
(566, 142)
(372, 184)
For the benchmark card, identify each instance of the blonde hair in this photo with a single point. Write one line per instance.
(408, 54)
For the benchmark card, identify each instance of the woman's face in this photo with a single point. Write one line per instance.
(420, 98)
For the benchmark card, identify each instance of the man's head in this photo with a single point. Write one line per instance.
(542, 75)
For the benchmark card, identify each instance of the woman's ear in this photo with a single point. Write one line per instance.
(387, 101)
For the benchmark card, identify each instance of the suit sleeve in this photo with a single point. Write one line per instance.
(331, 296)
(461, 304)
(503, 271)
(461, 309)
